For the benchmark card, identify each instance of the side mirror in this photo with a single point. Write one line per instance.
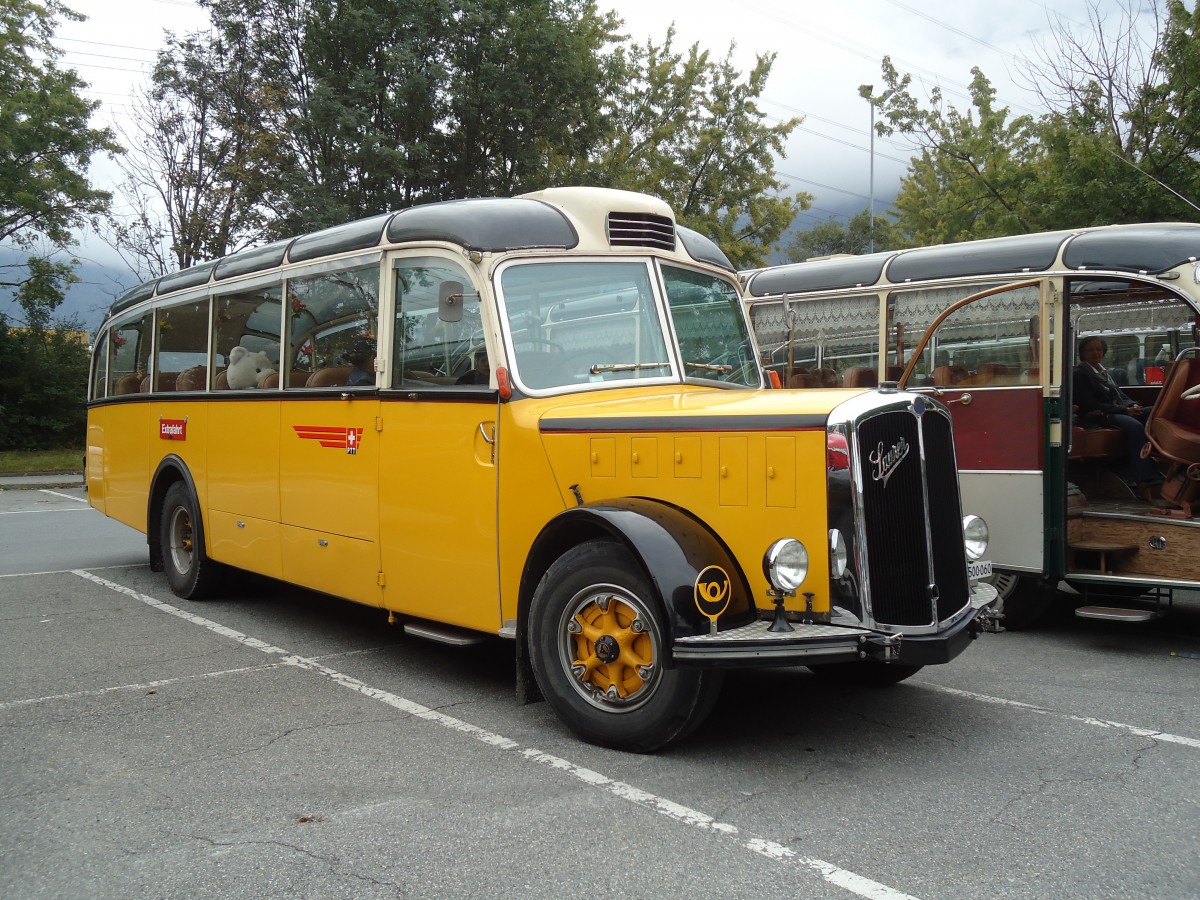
(450, 301)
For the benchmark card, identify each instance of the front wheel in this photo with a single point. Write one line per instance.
(596, 645)
(191, 574)
(1022, 600)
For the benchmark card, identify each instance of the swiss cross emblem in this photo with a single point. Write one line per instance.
(351, 441)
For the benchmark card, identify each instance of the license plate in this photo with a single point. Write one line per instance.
(979, 569)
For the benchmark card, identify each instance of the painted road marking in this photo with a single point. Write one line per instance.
(851, 881)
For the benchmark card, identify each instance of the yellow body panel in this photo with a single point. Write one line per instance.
(437, 511)
(434, 513)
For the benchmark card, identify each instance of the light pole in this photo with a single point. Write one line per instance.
(871, 216)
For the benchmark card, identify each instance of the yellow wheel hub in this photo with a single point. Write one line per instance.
(613, 649)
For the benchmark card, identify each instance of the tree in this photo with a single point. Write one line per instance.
(45, 141)
(972, 174)
(689, 130)
(193, 182)
(855, 236)
(1120, 143)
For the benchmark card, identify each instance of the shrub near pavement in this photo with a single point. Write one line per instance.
(37, 462)
(42, 389)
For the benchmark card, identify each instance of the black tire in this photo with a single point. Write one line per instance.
(596, 645)
(868, 673)
(1022, 600)
(191, 574)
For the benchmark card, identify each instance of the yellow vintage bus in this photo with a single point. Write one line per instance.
(541, 418)
(994, 329)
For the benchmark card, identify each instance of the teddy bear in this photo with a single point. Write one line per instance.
(246, 368)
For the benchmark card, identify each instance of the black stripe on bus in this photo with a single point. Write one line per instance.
(634, 424)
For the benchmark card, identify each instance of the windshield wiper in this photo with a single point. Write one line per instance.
(712, 367)
(597, 368)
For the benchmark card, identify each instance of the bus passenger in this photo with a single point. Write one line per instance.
(1101, 401)
(361, 357)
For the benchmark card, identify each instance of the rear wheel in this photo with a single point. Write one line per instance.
(1022, 600)
(596, 642)
(869, 673)
(191, 574)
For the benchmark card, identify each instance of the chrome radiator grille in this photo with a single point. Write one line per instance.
(907, 517)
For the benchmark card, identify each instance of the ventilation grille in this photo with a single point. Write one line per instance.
(640, 230)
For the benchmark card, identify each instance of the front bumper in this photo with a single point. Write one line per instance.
(754, 645)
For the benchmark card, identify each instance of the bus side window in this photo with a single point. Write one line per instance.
(332, 323)
(986, 343)
(130, 359)
(430, 350)
(251, 320)
(182, 336)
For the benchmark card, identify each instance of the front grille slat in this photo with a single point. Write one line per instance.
(888, 452)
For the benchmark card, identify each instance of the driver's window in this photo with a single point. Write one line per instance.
(438, 338)
(992, 341)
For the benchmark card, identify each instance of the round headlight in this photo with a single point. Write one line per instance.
(839, 557)
(975, 536)
(786, 564)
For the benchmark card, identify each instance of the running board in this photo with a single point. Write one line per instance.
(1117, 614)
(443, 634)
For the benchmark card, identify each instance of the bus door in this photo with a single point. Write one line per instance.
(438, 489)
(329, 449)
(983, 358)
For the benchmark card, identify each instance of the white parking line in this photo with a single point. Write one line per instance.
(71, 571)
(1086, 720)
(26, 512)
(850, 881)
(64, 496)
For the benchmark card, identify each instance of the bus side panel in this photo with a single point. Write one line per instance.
(437, 510)
(243, 456)
(1011, 504)
(125, 433)
(329, 458)
(244, 542)
(94, 460)
(1000, 429)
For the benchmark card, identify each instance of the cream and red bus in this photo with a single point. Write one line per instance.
(543, 419)
(992, 328)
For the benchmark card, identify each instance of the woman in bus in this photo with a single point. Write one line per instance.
(1100, 401)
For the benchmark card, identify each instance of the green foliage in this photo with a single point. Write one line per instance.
(42, 387)
(688, 129)
(1123, 147)
(45, 141)
(303, 114)
(855, 236)
(972, 175)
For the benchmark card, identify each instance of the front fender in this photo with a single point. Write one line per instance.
(672, 547)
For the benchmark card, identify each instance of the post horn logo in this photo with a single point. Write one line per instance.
(712, 592)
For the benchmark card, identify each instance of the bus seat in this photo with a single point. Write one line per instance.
(829, 377)
(220, 382)
(860, 377)
(804, 380)
(193, 379)
(1173, 426)
(894, 372)
(127, 384)
(945, 376)
(328, 377)
(269, 380)
(166, 382)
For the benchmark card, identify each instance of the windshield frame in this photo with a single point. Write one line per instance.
(653, 267)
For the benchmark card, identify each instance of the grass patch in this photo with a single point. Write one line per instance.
(32, 462)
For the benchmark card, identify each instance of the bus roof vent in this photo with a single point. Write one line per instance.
(640, 230)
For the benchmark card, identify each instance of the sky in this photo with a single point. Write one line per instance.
(824, 51)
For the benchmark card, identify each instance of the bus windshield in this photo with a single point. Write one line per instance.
(573, 324)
